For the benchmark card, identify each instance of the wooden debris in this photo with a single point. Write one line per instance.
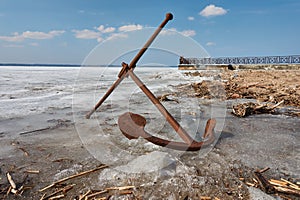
(272, 186)
(13, 186)
(205, 198)
(291, 184)
(96, 194)
(9, 190)
(264, 183)
(33, 131)
(11, 181)
(43, 196)
(63, 190)
(250, 184)
(264, 170)
(126, 192)
(57, 197)
(72, 176)
(32, 171)
(121, 188)
(287, 191)
(164, 97)
(246, 109)
(272, 86)
(81, 197)
(24, 151)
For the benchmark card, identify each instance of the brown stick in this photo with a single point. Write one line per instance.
(287, 190)
(71, 177)
(264, 183)
(96, 194)
(85, 194)
(121, 188)
(57, 197)
(290, 184)
(32, 171)
(11, 181)
(37, 130)
(64, 190)
(264, 170)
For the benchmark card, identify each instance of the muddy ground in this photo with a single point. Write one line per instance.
(245, 145)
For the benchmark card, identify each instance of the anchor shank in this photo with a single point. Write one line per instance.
(182, 133)
(132, 64)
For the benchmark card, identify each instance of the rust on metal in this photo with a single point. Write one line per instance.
(132, 125)
(132, 65)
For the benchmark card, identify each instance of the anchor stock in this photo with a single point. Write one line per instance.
(132, 125)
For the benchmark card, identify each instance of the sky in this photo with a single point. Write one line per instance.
(66, 31)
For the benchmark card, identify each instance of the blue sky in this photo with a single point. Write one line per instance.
(65, 31)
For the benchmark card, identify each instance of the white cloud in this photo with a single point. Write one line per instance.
(173, 31)
(102, 29)
(212, 10)
(191, 18)
(14, 38)
(41, 35)
(117, 35)
(86, 34)
(189, 33)
(209, 44)
(131, 27)
(36, 35)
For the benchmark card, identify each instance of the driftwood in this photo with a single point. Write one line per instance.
(81, 197)
(11, 181)
(24, 151)
(264, 170)
(32, 171)
(124, 190)
(71, 177)
(13, 186)
(246, 109)
(96, 194)
(272, 186)
(164, 97)
(57, 197)
(287, 191)
(264, 183)
(33, 131)
(63, 190)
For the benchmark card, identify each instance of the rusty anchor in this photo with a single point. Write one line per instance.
(132, 125)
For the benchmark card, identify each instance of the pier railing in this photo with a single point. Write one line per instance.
(294, 59)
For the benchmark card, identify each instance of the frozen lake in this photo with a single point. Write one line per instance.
(56, 100)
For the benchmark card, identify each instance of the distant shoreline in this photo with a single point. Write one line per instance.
(66, 65)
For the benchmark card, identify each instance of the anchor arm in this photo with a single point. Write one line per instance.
(132, 126)
(176, 126)
(122, 75)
